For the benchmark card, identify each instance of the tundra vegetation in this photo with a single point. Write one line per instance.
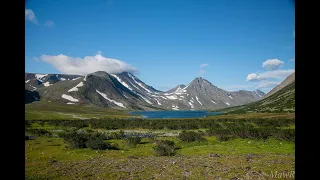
(245, 146)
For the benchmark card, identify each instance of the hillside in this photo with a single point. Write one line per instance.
(281, 101)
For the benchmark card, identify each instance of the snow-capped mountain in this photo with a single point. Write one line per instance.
(126, 91)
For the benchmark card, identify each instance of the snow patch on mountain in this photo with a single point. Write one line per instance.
(76, 87)
(75, 78)
(70, 98)
(122, 82)
(134, 85)
(145, 99)
(158, 101)
(172, 97)
(40, 76)
(227, 103)
(113, 101)
(198, 100)
(34, 88)
(191, 105)
(175, 107)
(27, 80)
(46, 84)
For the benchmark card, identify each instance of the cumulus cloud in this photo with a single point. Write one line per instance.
(89, 64)
(277, 74)
(99, 52)
(272, 64)
(252, 76)
(202, 71)
(49, 23)
(203, 65)
(30, 16)
(268, 84)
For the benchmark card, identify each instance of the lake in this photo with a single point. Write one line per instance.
(174, 114)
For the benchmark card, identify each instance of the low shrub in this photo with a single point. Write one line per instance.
(133, 141)
(82, 140)
(38, 132)
(165, 148)
(189, 136)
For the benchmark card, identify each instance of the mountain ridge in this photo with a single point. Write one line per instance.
(124, 90)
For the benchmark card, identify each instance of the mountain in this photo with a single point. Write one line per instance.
(177, 88)
(282, 100)
(287, 81)
(126, 91)
(30, 96)
(201, 94)
(35, 81)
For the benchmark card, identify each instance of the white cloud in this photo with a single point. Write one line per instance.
(203, 65)
(272, 64)
(49, 23)
(89, 64)
(30, 16)
(99, 52)
(252, 76)
(292, 59)
(277, 74)
(268, 84)
(202, 71)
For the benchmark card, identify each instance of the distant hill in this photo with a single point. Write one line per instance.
(281, 100)
(286, 82)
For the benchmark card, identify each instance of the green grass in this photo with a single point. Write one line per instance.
(191, 157)
(41, 110)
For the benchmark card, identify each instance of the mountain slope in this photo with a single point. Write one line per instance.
(287, 81)
(30, 96)
(282, 100)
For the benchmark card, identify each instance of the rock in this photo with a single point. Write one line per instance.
(132, 157)
(214, 155)
(234, 178)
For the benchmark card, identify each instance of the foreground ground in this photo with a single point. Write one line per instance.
(49, 157)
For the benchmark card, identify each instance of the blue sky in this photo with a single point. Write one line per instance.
(165, 43)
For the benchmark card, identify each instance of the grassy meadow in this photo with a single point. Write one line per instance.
(116, 145)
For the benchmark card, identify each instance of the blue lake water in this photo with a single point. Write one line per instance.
(174, 114)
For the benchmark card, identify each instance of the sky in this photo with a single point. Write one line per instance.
(236, 45)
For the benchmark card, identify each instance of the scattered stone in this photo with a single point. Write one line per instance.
(214, 155)
(132, 157)
(52, 161)
(234, 178)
